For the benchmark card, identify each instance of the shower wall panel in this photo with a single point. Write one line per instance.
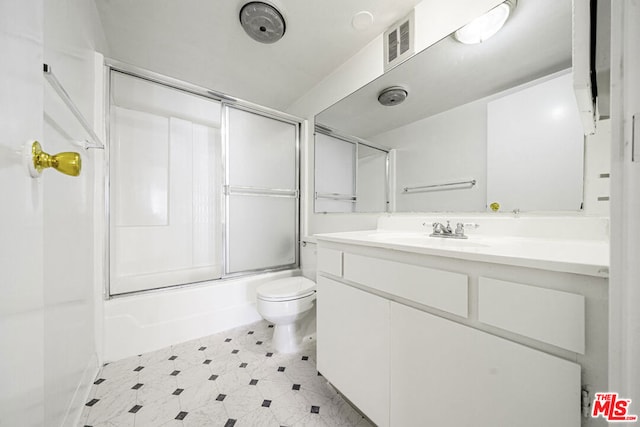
(140, 163)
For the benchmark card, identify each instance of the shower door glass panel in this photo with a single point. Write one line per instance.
(335, 172)
(371, 179)
(262, 231)
(261, 192)
(165, 172)
(262, 151)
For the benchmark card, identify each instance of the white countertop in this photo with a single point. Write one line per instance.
(579, 256)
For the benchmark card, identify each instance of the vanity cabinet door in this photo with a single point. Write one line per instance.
(446, 374)
(353, 346)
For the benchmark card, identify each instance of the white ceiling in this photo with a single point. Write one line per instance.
(536, 41)
(202, 42)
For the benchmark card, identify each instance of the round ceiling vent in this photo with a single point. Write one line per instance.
(392, 96)
(263, 22)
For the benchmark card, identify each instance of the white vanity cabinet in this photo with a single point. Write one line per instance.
(353, 327)
(416, 339)
(447, 374)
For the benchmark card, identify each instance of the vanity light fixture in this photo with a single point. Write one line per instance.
(485, 26)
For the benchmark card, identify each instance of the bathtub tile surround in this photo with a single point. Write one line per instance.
(232, 378)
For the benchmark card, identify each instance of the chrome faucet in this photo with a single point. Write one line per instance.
(440, 230)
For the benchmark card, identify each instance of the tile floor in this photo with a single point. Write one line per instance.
(229, 379)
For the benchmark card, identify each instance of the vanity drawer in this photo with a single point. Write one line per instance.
(435, 288)
(330, 261)
(550, 316)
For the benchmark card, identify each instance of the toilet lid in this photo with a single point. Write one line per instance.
(287, 288)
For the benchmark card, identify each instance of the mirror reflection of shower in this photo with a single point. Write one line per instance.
(351, 175)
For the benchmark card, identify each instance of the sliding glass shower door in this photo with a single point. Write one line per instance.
(165, 162)
(198, 189)
(261, 191)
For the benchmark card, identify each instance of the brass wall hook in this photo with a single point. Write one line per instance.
(69, 163)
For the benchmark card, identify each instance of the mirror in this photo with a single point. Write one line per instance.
(484, 123)
(351, 175)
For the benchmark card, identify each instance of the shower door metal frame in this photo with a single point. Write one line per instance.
(257, 191)
(110, 66)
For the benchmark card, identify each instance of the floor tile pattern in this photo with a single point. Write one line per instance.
(231, 379)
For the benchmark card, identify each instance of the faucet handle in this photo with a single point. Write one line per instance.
(459, 229)
(437, 228)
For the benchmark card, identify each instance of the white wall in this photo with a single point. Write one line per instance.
(597, 170)
(434, 19)
(47, 339)
(438, 150)
(72, 34)
(21, 255)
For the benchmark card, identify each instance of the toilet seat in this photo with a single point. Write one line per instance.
(287, 289)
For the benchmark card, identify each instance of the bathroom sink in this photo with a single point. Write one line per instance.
(458, 243)
(421, 239)
(395, 234)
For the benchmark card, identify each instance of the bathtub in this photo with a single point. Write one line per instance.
(152, 320)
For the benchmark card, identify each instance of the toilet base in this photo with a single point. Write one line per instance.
(286, 338)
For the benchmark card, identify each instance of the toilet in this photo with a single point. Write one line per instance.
(287, 303)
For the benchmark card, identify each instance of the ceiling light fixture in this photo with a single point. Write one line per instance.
(485, 26)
